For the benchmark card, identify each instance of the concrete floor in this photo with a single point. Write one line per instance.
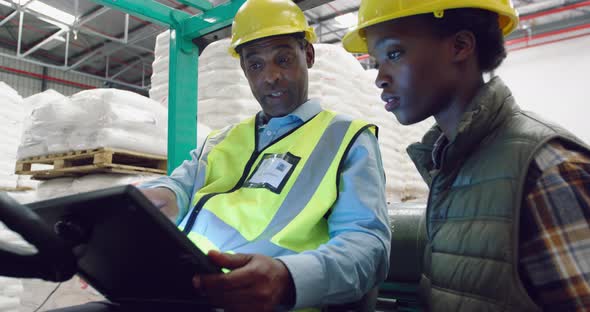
(72, 292)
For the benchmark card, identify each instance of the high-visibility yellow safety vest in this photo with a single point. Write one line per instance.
(273, 201)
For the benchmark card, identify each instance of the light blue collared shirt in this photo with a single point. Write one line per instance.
(356, 258)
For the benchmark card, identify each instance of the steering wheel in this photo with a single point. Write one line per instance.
(54, 260)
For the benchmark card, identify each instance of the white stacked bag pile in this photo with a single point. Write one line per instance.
(159, 79)
(88, 120)
(224, 94)
(11, 289)
(337, 78)
(91, 119)
(12, 113)
(50, 118)
(207, 119)
(344, 86)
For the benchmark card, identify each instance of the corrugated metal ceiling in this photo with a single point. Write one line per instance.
(101, 37)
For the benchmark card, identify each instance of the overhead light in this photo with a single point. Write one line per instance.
(63, 19)
(52, 12)
(347, 20)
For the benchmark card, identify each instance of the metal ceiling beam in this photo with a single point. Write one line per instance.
(202, 5)
(87, 18)
(334, 31)
(310, 4)
(558, 7)
(332, 41)
(115, 39)
(21, 15)
(328, 17)
(549, 27)
(91, 32)
(126, 68)
(42, 43)
(67, 51)
(9, 17)
(152, 11)
(112, 47)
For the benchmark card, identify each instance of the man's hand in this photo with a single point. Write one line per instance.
(256, 283)
(164, 199)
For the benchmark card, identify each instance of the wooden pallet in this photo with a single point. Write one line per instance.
(15, 189)
(91, 161)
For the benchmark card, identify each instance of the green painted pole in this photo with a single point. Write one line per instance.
(182, 99)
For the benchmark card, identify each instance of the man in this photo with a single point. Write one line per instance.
(296, 192)
(509, 205)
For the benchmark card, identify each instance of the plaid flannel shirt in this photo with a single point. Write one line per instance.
(555, 229)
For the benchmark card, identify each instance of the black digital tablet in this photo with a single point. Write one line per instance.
(126, 248)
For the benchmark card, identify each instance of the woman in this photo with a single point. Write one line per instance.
(509, 205)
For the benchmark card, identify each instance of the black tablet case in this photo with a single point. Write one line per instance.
(126, 248)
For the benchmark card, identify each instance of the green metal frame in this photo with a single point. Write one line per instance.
(184, 61)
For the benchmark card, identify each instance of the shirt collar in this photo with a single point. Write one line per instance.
(303, 113)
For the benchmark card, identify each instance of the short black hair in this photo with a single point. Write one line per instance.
(484, 26)
(299, 36)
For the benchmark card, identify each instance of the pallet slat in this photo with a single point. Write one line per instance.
(15, 189)
(88, 161)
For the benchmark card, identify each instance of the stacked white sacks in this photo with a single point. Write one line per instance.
(92, 119)
(12, 114)
(160, 78)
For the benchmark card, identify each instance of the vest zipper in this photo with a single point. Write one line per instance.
(428, 205)
(432, 183)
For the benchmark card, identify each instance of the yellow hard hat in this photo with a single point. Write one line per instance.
(373, 12)
(258, 19)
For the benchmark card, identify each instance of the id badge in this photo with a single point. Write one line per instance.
(273, 172)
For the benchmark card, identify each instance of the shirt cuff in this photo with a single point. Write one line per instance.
(308, 277)
(181, 200)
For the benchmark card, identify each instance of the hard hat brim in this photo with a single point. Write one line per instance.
(355, 40)
(310, 36)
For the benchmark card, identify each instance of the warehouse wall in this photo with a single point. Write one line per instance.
(68, 89)
(27, 86)
(553, 80)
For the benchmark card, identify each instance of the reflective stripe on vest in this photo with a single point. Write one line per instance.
(245, 219)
